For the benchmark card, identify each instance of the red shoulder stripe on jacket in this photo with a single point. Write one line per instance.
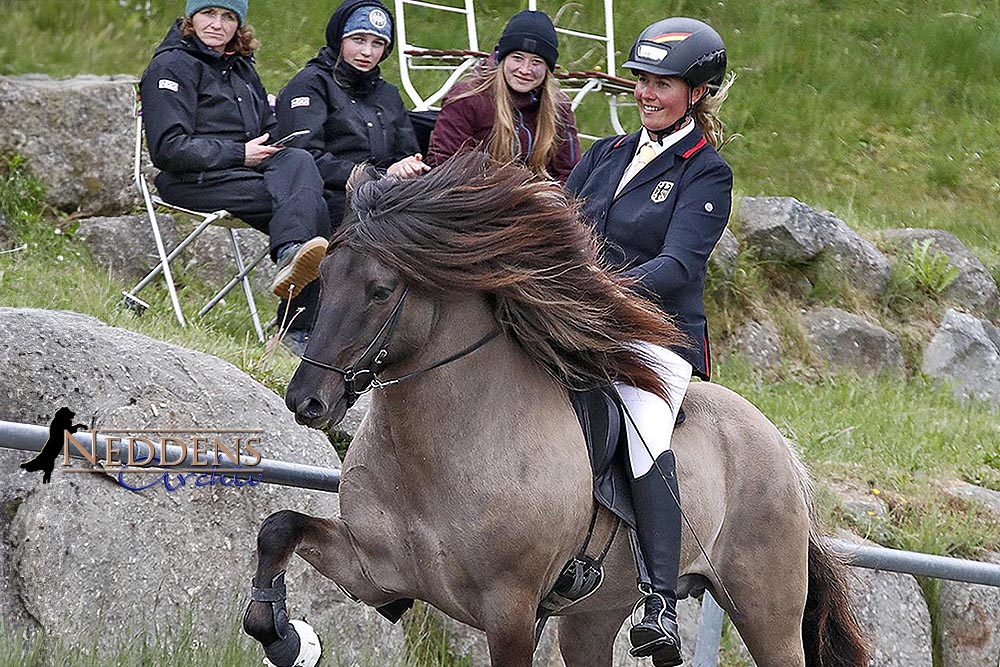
(694, 149)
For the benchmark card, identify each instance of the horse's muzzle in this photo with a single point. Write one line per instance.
(314, 412)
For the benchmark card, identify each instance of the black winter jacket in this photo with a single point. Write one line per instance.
(200, 107)
(352, 116)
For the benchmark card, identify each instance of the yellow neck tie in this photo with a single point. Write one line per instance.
(645, 156)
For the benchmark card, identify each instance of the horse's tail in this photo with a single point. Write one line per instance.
(830, 631)
(831, 635)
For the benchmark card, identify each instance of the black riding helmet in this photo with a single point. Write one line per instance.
(682, 47)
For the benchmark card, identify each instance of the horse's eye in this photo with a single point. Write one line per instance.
(381, 294)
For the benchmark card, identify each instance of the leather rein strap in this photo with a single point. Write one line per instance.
(353, 388)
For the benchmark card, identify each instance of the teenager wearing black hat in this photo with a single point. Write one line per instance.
(660, 199)
(351, 113)
(208, 124)
(511, 106)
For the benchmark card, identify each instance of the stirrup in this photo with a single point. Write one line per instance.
(665, 639)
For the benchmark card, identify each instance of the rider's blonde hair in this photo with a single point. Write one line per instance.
(706, 114)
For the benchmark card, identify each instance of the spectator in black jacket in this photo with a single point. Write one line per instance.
(352, 114)
(208, 124)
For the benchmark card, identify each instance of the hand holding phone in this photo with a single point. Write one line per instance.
(287, 138)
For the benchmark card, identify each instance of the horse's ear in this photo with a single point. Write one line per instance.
(361, 174)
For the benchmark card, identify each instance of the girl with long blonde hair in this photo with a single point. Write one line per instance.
(512, 107)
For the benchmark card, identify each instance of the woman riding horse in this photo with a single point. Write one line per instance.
(467, 301)
(661, 197)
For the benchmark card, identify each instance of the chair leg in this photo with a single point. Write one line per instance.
(241, 277)
(164, 259)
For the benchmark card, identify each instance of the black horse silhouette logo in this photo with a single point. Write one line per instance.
(46, 459)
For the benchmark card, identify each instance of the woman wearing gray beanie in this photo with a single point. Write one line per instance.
(353, 115)
(208, 124)
(511, 106)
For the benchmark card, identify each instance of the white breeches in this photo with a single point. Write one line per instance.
(653, 416)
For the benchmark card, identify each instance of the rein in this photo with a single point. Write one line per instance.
(381, 341)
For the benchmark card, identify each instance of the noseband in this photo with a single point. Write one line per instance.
(353, 388)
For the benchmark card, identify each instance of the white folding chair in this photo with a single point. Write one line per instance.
(219, 218)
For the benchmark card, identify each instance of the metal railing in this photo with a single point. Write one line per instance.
(856, 555)
(27, 437)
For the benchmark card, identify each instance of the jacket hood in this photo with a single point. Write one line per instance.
(175, 41)
(335, 27)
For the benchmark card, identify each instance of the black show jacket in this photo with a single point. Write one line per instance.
(663, 225)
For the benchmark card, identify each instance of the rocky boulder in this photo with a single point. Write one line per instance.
(78, 135)
(849, 342)
(723, 257)
(759, 343)
(83, 555)
(893, 615)
(848, 259)
(974, 289)
(212, 255)
(968, 623)
(125, 244)
(965, 351)
(784, 229)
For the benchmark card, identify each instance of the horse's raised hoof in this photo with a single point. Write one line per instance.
(299, 648)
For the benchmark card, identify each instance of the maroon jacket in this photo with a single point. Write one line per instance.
(465, 124)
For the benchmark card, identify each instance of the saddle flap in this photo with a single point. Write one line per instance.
(600, 415)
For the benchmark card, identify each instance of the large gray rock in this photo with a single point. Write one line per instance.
(78, 135)
(967, 625)
(759, 343)
(724, 256)
(988, 499)
(892, 612)
(966, 351)
(849, 342)
(785, 229)
(212, 256)
(848, 259)
(974, 289)
(125, 244)
(82, 554)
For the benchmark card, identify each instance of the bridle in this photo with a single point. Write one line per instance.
(353, 388)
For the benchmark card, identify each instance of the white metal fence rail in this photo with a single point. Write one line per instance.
(27, 437)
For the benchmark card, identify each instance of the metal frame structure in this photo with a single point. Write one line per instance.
(459, 61)
(221, 218)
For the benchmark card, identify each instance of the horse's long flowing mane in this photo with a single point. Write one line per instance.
(473, 225)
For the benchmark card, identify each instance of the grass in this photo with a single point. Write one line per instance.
(874, 110)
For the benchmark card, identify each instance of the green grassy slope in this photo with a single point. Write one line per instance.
(882, 111)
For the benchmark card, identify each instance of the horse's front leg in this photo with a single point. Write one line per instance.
(323, 542)
(509, 621)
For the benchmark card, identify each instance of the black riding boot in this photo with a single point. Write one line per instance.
(658, 524)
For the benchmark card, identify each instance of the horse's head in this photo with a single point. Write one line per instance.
(368, 320)
(469, 229)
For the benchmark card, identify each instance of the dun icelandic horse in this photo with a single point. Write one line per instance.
(468, 300)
